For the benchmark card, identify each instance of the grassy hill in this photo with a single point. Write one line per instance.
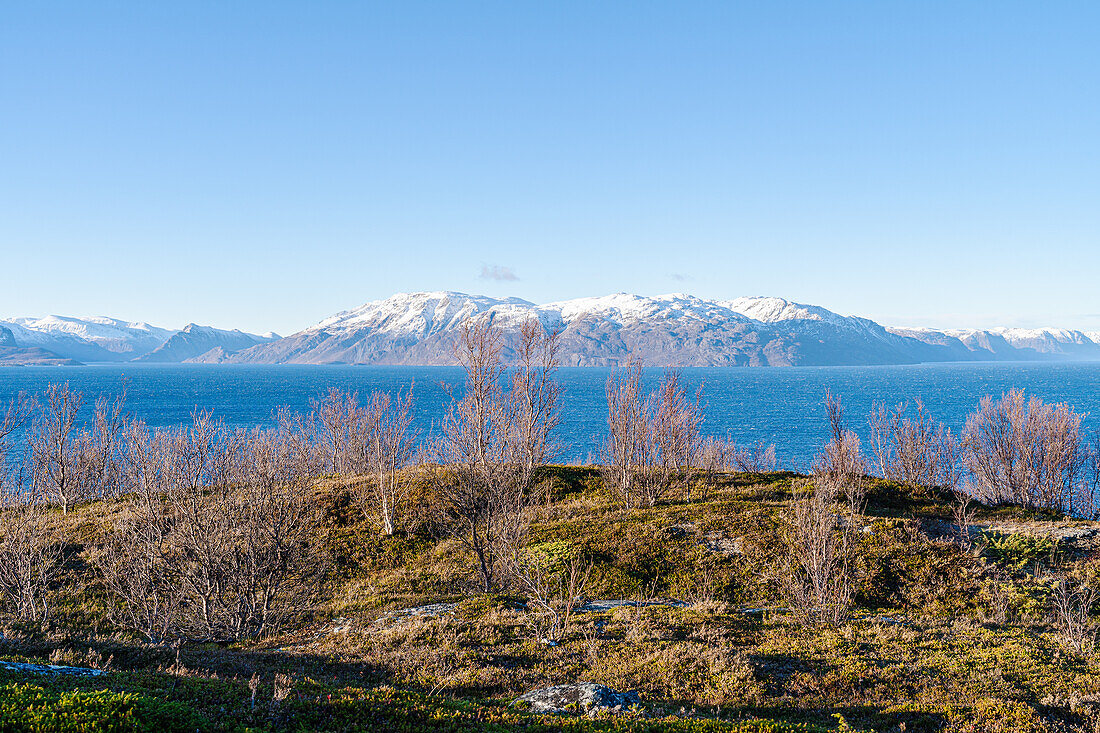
(942, 634)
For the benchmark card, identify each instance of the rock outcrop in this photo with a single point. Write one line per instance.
(579, 697)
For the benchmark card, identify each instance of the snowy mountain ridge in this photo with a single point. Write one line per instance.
(676, 329)
(666, 330)
(65, 339)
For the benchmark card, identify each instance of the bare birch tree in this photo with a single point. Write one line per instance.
(817, 578)
(54, 446)
(30, 555)
(841, 464)
(535, 398)
(71, 463)
(1023, 451)
(918, 450)
(389, 447)
(30, 551)
(481, 477)
(338, 420)
(139, 562)
(651, 438)
(272, 567)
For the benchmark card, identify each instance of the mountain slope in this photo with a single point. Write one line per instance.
(87, 339)
(11, 354)
(668, 330)
(194, 341)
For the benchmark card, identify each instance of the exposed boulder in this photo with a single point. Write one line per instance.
(610, 605)
(50, 669)
(579, 697)
(433, 610)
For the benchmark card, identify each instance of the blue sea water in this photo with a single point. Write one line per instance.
(777, 405)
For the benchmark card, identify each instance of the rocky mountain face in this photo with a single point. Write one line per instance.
(202, 344)
(87, 339)
(670, 330)
(66, 340)
(11, 354)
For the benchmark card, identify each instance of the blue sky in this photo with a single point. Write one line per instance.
(262, 165)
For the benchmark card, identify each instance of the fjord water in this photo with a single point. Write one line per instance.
(781, 405)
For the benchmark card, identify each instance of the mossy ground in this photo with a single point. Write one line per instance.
(941, 637)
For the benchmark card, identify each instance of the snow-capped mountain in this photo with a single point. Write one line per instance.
(12, 354)
(87, 339)
(67, 340)
(1012, 343)
(667, 330)
(195, 343)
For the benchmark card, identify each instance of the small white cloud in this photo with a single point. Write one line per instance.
(680, 278)
(498, 272)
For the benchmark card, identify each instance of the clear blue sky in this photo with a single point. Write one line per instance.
(264, 164)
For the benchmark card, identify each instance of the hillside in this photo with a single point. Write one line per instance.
(682, 606)
(194, 343)
(675, 330)
(12, 354)
(67, 341)
(671, 330)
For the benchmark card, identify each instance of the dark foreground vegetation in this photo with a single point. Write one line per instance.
(339, 573)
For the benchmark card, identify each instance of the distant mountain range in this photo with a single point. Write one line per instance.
(68, 341)
(668, 330)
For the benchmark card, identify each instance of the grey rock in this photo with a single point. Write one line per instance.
(608, 605)
(433, 610)
(579, 697)
(51, 669)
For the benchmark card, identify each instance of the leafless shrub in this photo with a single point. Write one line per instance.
(1023, 451)
(553, 584)
(963, 510)
(389, 446)
(54, 446)
(140, 570)
(1086, 499)
(534, 399)
(817, 578)
(711, 460)
(217, 538)
(272, 568)
(628, 452)
(758, 457)
(340, 426)
(676, 425)
(138, 562)
(716, 455)
(254, 687)
(283, 685)
(13, 465)
(651, 439)
(30, 550)
(841, 466)
(481, 473)
(919, 450)
(30, 558)
(15, 415)
(1070, 613)
(70, 463)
